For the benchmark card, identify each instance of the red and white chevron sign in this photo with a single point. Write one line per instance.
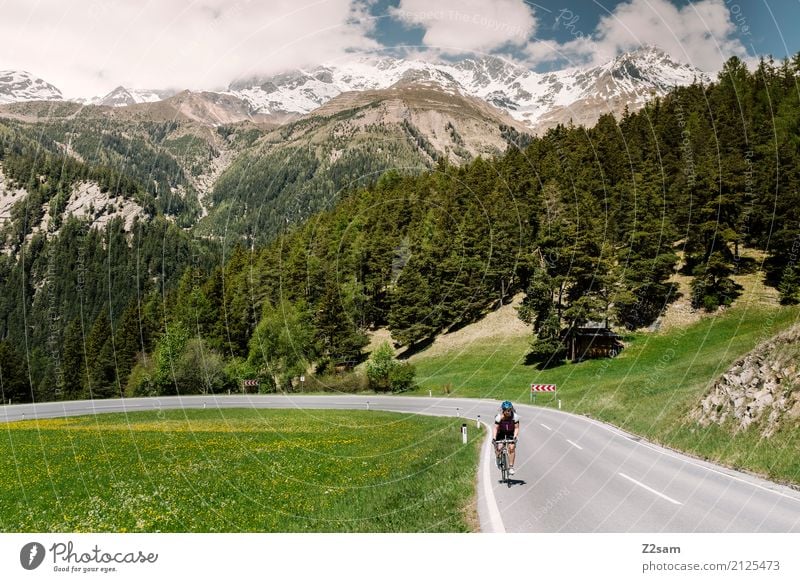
(543, 387)
(250, 382)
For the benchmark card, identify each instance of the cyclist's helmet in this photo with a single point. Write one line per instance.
(507, 405)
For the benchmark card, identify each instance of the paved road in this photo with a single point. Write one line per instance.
(573, 474)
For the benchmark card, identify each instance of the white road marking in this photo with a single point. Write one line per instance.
(651, 490)
(495, 519)
(580, 448)
(683, 457)
(547, 427)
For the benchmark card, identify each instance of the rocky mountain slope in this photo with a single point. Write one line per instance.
(206, 153)
(626, 82)
(301, 167)
(173, 148)
(85, 200)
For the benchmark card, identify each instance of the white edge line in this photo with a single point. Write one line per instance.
(684, 457)
(495, 519)
(580, 448)
(723, 471)
(653, 491)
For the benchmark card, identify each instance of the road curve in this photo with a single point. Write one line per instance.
(573, 474)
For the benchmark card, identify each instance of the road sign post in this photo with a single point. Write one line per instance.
(536, 388)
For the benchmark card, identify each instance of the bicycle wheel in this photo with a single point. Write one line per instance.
(504, 466)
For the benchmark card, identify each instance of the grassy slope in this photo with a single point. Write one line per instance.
(648, 390)
(238, 471)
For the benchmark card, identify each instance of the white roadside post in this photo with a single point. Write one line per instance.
(478, 422)
(464, 433)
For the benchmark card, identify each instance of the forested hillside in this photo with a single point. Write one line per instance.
(77, 302)
(588, 223)
(171, 157)
(305, 166)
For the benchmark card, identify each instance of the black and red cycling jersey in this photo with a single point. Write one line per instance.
(506, 425)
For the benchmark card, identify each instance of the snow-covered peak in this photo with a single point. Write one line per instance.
(651, 64)
(123, 96)
(524, 94)
(16, 86)
(530, 97)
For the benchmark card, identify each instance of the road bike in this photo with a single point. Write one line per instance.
(503, 462)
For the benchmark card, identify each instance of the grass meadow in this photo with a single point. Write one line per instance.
(360, 471)
(238, 471)
(649, 389)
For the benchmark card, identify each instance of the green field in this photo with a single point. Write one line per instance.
(649, 389)
(318, 471)
(238, 471)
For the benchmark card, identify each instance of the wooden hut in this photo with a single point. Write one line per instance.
(592, 342)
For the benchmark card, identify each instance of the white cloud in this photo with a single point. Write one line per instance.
(578, 51)
(461, 26)
(701, 34)
(87, 47)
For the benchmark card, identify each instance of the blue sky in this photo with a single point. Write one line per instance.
(704, 32)
(88, 47)
(764, 27)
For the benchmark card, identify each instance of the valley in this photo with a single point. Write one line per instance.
(184, 244)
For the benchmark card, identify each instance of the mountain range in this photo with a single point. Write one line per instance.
(537, 100)
(267, 151)
(529, 97)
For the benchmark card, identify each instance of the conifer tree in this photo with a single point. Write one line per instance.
(73, 361)
(413, 316)
(128, 340)
(13, 378)
(339, 337)
(102, 380)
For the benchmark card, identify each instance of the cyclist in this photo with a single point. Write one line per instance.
(506, 426)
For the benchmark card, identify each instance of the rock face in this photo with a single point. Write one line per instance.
(88, 201)
(9, 196)
(762, 387)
